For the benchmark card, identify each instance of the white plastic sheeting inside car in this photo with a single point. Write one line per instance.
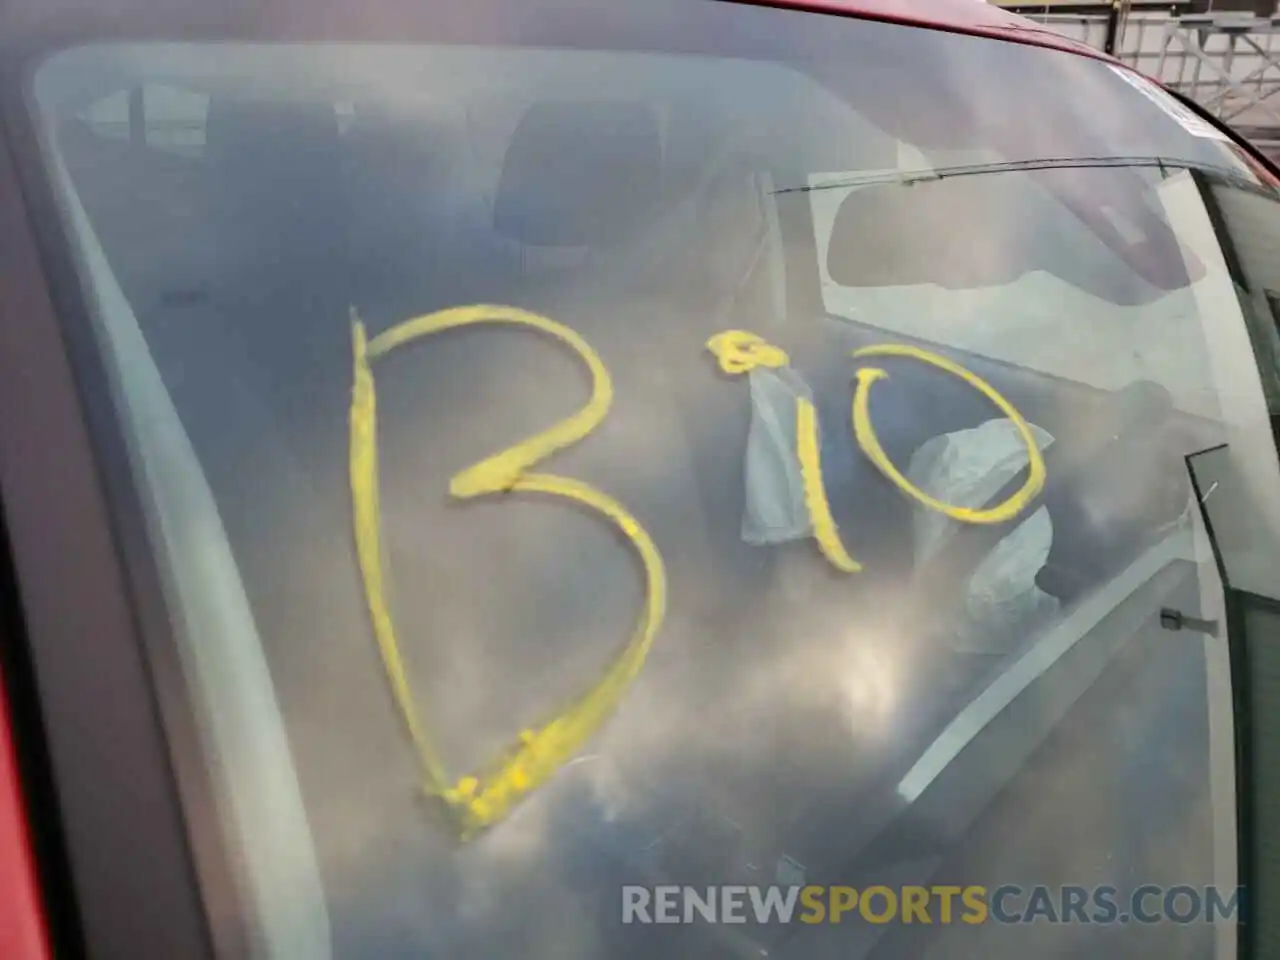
(967, 468)
(775, 507)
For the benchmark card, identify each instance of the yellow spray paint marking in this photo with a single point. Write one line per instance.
(739, 351)
(870, 443)
(481, 800)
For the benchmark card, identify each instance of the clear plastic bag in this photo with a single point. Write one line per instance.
(775, 509)
(968, 468)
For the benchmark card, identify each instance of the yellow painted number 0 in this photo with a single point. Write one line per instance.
(478, 801)
(870, 443)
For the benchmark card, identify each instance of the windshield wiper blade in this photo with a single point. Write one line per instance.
(909, 177)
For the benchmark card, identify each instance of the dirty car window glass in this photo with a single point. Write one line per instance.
(565, 483)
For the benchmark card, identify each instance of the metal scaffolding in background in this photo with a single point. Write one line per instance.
(1226, 63)
(1224, 59)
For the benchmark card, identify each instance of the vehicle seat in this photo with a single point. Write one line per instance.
(421, 237)
(606, 202)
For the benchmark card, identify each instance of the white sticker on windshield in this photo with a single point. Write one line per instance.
(1189, 122)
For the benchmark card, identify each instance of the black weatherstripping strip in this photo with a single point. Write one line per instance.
(1235, 267)
(1241, 712)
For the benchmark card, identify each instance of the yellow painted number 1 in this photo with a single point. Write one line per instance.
(480, 800)
(741, 352)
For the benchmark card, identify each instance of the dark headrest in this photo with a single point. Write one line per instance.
(272, 137)
(580, 175)
(274, 173)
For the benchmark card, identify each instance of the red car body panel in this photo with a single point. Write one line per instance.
(22, 928)
(23, 933)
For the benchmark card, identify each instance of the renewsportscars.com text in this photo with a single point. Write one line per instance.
(938, 904)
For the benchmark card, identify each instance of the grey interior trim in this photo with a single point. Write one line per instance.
(1058, 641)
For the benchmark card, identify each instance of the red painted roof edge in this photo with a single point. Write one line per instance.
(975, 17)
